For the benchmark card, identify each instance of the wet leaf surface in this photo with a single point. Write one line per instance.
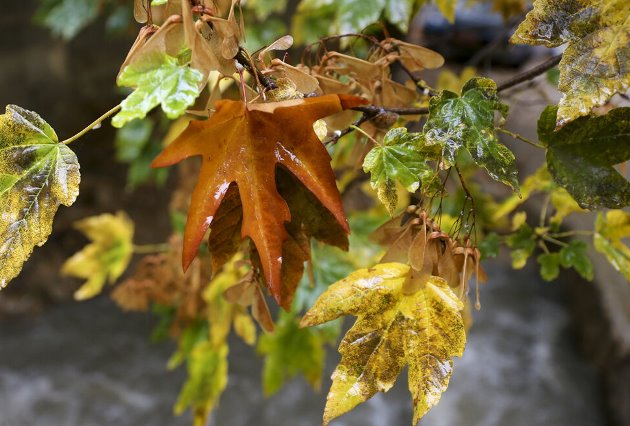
(423, 330)
(581, 156)
(596, 62)
(466, 122)
(37, 174)
(244, 145)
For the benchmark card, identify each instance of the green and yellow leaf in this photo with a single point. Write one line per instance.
(549, 266)
(106, 257)
(207, 367)
(159, 80)
(399, 158)
(466, 122)
(523, 243)
(204, 345)
(596, 62)
(37, 174)
(424, 330)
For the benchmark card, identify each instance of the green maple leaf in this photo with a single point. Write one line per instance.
(581, 156)
(37, 174)
(549, 266)
(399, 158)
(466, 122)
(596, 62)
(315, 18)
(67, 18)
(424, 330)
(134, 146)
(290, 350)
(263, 8)
(161, 80)
(523, 243)
(574, 256)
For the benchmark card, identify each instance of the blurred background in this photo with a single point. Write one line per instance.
(538, 353)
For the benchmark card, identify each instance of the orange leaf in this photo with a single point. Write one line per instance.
(244, 145)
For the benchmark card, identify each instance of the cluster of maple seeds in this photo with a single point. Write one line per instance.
(430, 251)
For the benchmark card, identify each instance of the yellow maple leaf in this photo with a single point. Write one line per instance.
(395, 326)
(106, 257)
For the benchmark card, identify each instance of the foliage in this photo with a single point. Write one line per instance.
(135, 146)
(162, 81)
(594, 64)
(67, 17)
(466, 122)
(282, 145)
(291, 350)
(242, 159)
(107, 255)
(581, 156)
(610, 229)
(401, 157)
(37, 174)
(423, 329)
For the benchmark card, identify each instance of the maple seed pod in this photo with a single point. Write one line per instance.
(385, 120)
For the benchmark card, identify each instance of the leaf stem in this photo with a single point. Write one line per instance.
(520, 138)
(543, 211)
(369, 113)
(571, 233)
(341, 133)
(360, 130)
(151, 248)
(553, 240)
(531, 73)
(92, 125)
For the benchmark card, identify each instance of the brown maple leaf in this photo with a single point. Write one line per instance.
(244, 145)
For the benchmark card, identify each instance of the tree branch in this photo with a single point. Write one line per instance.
(369, 113)
(376, 109)
(531, 73)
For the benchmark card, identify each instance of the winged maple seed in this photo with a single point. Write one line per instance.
(244, 145)
(430, 251)
(158, 279)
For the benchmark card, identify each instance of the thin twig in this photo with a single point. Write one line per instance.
(472, 204)
(571, 233)
(151, 248)
(377, 109)
(339, 134)
(531, 73)
(420, 85)
(553, 240)
(92, 125)
(369, 113)
(520, 138)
